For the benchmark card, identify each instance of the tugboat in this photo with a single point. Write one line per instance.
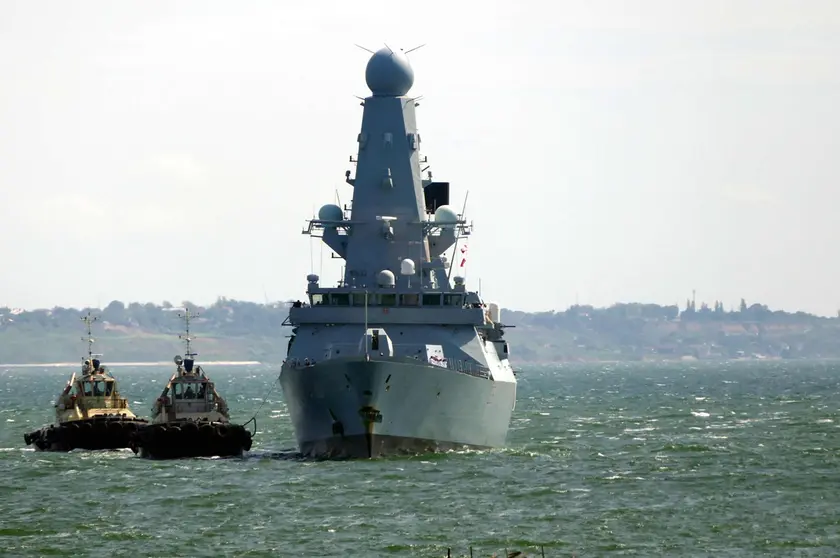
(190, 418)
(90, 413)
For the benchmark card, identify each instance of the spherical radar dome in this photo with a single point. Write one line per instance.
(386, 278)
(389, 73)
(446, 216)
(330, 212)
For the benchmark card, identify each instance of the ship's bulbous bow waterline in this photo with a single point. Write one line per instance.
(357, 408)
(398, 357)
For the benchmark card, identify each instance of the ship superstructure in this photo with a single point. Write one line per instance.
(399, 356)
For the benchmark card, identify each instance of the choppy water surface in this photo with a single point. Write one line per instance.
(681, 460)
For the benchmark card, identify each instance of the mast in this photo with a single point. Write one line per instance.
(187, 316)
(88, 320)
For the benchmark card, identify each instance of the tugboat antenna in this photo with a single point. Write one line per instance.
(88, 321)
(187, 315)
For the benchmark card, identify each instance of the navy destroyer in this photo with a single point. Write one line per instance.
(399, 357)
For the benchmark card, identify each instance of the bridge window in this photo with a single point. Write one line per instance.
(109, 388)
(453, 300)
(409, 300)
(184, 391)
(98, 388)
(431, 300)
(359, 299)
(317, 299)
(388, 300)
(340, 299)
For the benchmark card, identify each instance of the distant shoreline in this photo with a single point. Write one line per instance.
(109, 364)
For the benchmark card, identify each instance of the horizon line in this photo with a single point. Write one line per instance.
(136, 364)
(289, 301)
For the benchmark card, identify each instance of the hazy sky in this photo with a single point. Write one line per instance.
(613, 150)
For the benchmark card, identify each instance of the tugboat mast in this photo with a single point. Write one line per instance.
(88, 320)
(187, 316)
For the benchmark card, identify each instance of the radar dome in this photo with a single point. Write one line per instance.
(386, 278)
(445, 214)
(389, 73)
(407, 267)
(330, 212)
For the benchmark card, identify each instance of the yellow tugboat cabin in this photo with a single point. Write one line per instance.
(94, 394)
(189, 395)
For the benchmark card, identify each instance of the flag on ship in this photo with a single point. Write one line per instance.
(463, 255)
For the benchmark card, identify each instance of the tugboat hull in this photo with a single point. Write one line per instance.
(352, 408)
(181, 439)
(99, 433)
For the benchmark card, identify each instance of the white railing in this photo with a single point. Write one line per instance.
(468, 367)
(463, 366)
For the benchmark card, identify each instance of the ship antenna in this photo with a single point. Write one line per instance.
(413, 49)
(311, 249)
(321, 260)
(455, 248)
(187, 315)
(88, 321)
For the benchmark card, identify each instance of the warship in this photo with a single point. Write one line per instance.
(90, 412)
(190, 418)
(398, 357)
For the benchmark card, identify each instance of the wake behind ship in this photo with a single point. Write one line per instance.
(399, 357)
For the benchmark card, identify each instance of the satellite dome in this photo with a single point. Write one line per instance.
(386, 278)
(407, 267)
(330, 212)
(445, 214)
(389, 73)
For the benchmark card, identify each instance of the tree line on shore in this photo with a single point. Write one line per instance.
(233, 329)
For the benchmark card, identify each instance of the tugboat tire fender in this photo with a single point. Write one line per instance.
(190, 428)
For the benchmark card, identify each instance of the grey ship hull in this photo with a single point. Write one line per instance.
(350, 407)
